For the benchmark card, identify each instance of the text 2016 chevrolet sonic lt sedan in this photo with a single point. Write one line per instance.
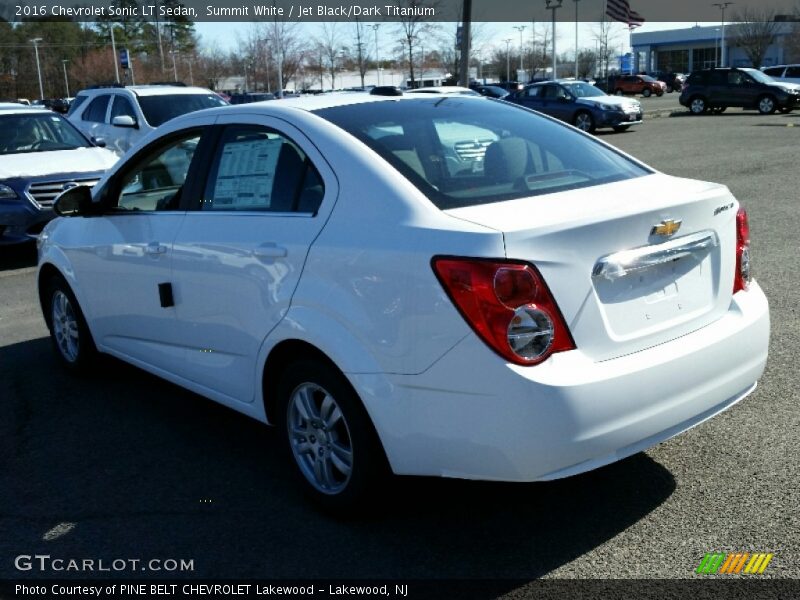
(446, 286)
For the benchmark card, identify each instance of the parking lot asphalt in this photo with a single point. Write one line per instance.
(130, 466)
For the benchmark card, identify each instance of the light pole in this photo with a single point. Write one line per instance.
(508, 59)
(553, 6)
(576, 39)
(520, 28)
(722, 6)
(35, 42)
(114, 52)
(66, 80)
(375, 27)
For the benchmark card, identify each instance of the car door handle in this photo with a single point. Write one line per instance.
(269, 251)
(155, 248)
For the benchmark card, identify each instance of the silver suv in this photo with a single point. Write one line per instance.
(784, 73)
(122, 115)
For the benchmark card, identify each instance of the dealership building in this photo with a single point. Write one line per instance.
(684, 50)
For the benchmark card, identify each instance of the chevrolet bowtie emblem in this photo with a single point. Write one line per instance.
(666, 228)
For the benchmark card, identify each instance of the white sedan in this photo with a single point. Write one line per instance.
(446, 286)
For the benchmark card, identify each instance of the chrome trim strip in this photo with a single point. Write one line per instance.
(625, 262)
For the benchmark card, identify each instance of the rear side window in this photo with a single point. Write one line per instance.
(96, 111)
(533, 92)
(258, 169)
(793, 72)
(774, 71)
(720, 77)
(462, 152)
(697, 79)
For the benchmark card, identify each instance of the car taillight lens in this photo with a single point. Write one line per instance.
(742, 277)
(508, 305)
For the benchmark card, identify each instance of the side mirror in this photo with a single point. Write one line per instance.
(74, 202)
(124, 121)
(99, 142)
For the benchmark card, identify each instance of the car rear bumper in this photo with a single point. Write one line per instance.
(473, 416)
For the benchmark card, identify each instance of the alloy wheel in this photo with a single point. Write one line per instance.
(766, 105)
(698, 106)
(583, 121)
(320, 438)
(65, 326)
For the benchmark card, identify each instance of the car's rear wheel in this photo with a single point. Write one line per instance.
(766, 105)
(69, 333)
(698, 105)
(337, 456)
(718, 110)
(584, 121)
(670, 89)
(646, 93)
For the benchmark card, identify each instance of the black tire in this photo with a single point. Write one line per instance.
(621, 128)
(718, 110)
(69, 332)
(785, 110)
(766, 104)
(618, 92)
(646, 93)
(346, 493)
(584, 121)
(670, 89)
(698, 105)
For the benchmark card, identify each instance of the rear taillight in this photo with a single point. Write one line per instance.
(509, 306)
(741, 279)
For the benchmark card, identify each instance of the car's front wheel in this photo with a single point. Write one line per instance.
(646, 93)
(584, 121)
(69, 333)
(336, 452)
(698, 105)
(766, 105)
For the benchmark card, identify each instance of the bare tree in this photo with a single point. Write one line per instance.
(287, 48)
(754, 32)
(362, 55)
(414, 29)
(587, 61)
(330, 42)
(606, 38)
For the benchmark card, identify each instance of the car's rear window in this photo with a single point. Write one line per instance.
(465, 152)
(160, 109)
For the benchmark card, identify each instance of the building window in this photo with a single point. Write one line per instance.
(673, 61)
(705, 58)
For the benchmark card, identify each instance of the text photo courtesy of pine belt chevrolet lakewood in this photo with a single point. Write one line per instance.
(354, 270)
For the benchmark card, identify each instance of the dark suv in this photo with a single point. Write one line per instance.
(714, 90)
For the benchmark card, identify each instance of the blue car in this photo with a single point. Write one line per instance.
(41, 155)
(579, 104)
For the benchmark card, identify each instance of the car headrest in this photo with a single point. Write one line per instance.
(506, 160)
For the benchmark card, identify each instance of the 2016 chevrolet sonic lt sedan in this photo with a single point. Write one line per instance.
(446, 286)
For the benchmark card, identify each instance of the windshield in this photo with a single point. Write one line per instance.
(160, 109)
(647, 78)
(38, 132)
(584, 90)
(464, 152)
(759, 76)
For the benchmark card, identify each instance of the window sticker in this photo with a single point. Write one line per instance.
(246, 171)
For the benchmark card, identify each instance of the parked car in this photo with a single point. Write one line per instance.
(41, 154)
(580, 104)
(124, 115)
(674, 81)
(490, 91)
(716, 89)
(249, 97)
(784, 73)
(639, 84)
(511, 86)
(386, 90)
(426, 285)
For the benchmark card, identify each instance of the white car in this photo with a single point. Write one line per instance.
(123, 115)
(784, 73)
(446, 90)
(396, 296)
(41, 155)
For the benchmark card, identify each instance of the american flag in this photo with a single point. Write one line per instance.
(620, 10)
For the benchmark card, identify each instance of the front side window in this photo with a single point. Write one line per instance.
(122, 108)
(258, 169)
(461, 152)
(96, 110)
(156, 182)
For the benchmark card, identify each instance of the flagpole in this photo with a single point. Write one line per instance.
(630, 44)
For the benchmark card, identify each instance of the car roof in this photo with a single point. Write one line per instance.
(442, 89)
(150, 90)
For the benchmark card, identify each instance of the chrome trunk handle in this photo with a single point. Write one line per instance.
(625, 262)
